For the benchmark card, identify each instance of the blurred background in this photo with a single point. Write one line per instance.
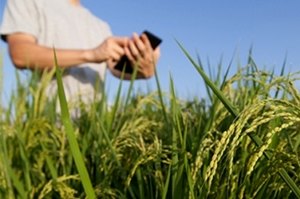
(211, 29)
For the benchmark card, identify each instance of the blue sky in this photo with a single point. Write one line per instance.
(210, 28)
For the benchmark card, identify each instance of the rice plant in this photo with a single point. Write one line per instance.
(241, 141)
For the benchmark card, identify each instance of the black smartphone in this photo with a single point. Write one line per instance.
(154, 40)
(124, 62)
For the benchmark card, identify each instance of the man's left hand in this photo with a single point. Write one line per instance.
(139, 52)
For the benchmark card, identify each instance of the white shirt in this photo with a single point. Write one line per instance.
(57, 23)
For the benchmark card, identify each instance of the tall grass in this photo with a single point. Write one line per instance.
(156, 145)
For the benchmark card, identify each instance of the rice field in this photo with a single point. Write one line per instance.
(241, 141)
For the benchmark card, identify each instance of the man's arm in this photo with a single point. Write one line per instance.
(27, 54)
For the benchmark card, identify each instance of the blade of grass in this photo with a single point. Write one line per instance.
(116, 104)
(84, 176)
(10, 175)
(182, 159)
(179, 163)
(25, 160)
(208, 91)
(189, 176)
(140, 183)
(177, 159)
(49, 163)
(133, 77)
(282, 72)
(161, 100)
(167, 183)
(228, 69)
(175, 163)
(18, 184)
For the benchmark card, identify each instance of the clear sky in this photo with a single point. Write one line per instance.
(210, 28)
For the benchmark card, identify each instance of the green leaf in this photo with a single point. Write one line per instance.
(76, 153)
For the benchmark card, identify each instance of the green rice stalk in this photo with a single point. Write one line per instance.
(294, 92)
(251, 111)
(257, 155)
(147, 156)
(259, 193)
(166, 187)
(161, 99)
(84, 176)
(199, 159)
(24, 157)
(1, 78)
(4, 164)
(138, 171)
(11, 177)
(116, 104)
(59, 186)
(177, 160)
(281, 74)
(221, 147)
(133, 77)
(140, 183)
(114, 153)
(189, 177)
(235, 113)
(49, 162)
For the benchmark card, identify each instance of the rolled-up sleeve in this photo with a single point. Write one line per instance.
(20, 16)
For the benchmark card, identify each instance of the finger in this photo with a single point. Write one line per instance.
(118, 50)
(133, 60)
(122, 41)
(117, 53)
(133, 49)
(115, 57)
(146, 41)
(139, 43)
(129, 55)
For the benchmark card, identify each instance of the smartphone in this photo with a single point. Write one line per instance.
(154, 40)
(124, 62)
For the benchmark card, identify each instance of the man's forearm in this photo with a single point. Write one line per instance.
(31, 56)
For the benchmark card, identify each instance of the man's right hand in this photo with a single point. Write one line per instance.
(112, 49)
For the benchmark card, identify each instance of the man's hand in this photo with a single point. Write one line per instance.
(113, 48)
(139, 52)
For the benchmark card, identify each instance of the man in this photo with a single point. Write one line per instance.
(84, 44)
